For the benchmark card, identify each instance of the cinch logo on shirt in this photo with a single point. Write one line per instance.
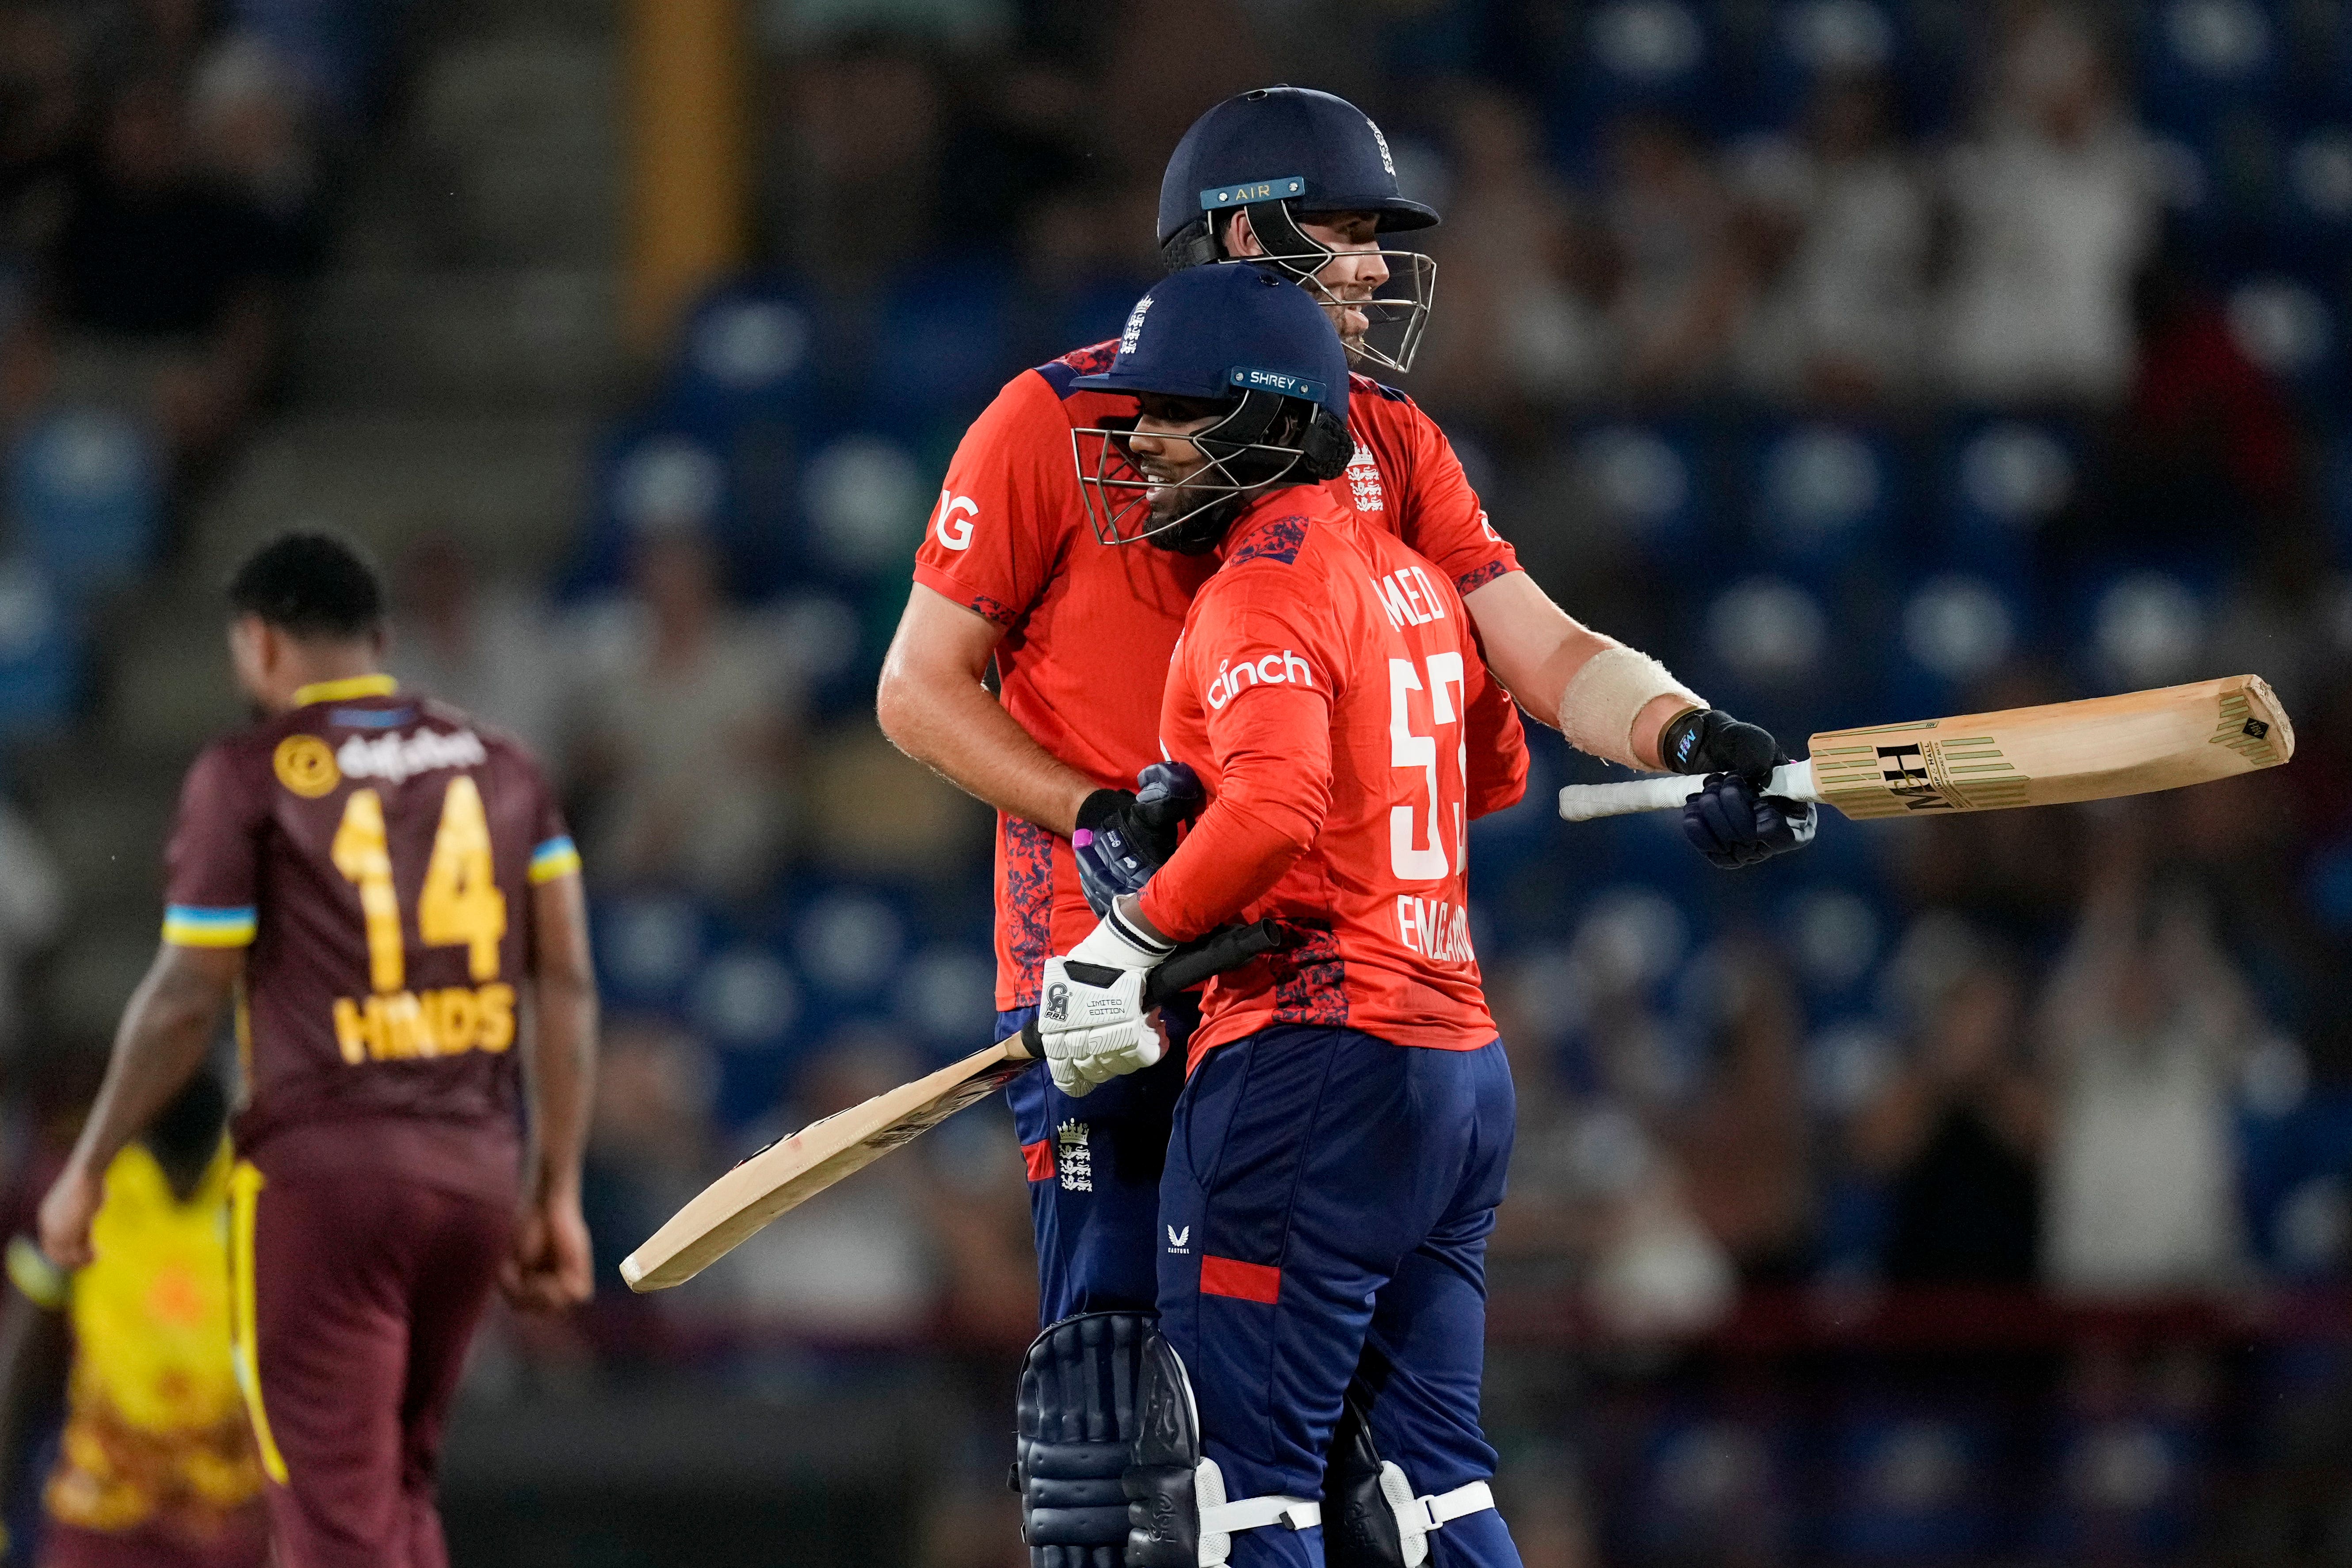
(398, 757)
(1408, 596)
(1284, 669)
(1436, 929)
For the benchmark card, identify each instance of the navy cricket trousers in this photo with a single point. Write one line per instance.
(1094, 1175)
(1328, 1198)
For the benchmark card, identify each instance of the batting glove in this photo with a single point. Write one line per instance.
(1122, 837)
(1733, 825)
(1091, 1017)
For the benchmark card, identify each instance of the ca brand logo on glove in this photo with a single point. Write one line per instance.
(1057, 1001)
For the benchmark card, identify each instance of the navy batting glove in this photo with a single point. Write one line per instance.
(1710, 741)
(1122, 837)
(1732, 825)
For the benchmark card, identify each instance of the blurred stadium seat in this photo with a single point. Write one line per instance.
(1826, 497)
(40, 650)
(86, 489)
(1912, 1486)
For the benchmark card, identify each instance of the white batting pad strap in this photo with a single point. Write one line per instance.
(1416, 1517)
(1220, 1519)
(1475, 1497)
(1257, 1513)
(1607, 693)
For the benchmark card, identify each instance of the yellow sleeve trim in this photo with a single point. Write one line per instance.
(556, 857)
(187, 926)
(344, 691)
(43, 1282)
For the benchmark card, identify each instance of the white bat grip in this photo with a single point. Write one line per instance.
(1582, 803)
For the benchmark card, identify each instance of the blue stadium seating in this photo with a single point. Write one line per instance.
(2293, 325)
(2203, 59)
(85, 488)
(2124, 1486)
(749, 351)
(2136, 624)
(1651, 483)
(1953, 630)
(1711, 1487)
(2000, 480)
(649, 948)
(747, 1002)
(1808, 40)
(1637, 57)
(654, 473)
(2315, 209)
(1836, 935)
(40, 651)
(940, 346)
(1825, 498)
(1910, 1485)
(863, 501)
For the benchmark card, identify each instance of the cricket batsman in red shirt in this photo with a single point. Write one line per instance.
(1340, 1147)
(1078, 619)
(386, 889)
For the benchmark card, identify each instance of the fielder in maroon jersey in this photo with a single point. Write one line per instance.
(386, 888)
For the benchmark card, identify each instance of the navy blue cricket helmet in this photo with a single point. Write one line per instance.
(1253, 351)
(1282, 154)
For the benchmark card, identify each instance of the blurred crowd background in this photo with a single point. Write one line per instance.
(1965, 1190)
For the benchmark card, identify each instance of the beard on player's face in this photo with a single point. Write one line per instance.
(1166, 460)
(1344, 285)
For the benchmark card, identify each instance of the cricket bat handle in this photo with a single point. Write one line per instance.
(1582, 803)
(1227, 947)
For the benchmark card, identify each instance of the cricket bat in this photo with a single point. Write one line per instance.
(791, 1171)
(2137, 743)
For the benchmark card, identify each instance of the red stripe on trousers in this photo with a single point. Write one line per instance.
(1242, 1281)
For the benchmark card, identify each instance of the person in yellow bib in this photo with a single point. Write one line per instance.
(156, 1466)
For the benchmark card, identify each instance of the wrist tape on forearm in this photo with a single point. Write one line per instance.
(1606, 695)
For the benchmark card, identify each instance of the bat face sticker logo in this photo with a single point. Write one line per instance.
(1905, 769)
(1057, 1001)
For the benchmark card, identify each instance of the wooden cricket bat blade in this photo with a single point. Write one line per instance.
(2096, 749)
(791, 1171)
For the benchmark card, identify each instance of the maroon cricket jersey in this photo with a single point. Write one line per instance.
(375, 852)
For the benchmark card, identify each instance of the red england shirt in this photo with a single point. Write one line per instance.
(1088, 627)
(1329, 691)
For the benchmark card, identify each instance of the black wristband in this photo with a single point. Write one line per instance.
(1102, 806)
(1678, 742)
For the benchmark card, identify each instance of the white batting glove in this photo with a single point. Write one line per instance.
(1093, 1023)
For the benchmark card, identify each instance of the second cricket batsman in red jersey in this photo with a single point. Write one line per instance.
(387, 888)
(1329, 695)
(1335, 1157)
